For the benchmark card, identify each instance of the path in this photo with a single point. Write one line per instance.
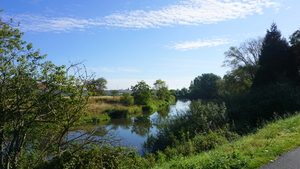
(289, 160)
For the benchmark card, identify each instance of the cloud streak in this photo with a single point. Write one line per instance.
(191, 12)
(190, 45)
(188, 12)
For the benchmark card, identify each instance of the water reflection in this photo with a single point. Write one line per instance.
(141, 125)
(135, 130)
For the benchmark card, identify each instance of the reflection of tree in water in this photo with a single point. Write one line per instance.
(124, 123)
(163, 112)
(141, 125)
(159, 118)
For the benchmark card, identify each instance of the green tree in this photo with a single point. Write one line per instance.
(243, 61)
(141, 93)
(276, 62)
(161, 90)
(205, 86)
(126, 99)
(114, 93)
(39, 104)
(97, 86)
(295, 46)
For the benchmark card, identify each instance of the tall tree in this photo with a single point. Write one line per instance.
(141, 93)
(39, 104)
(295, 47)
(276, 62)
(97, 86)
(243, 61)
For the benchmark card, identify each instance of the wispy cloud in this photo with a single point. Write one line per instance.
(191, 12)
(190, 45)
(40, 23)
(188, 12)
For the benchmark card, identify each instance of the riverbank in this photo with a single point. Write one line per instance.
(251, 151)
(99, 108)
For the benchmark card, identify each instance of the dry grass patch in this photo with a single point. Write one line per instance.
(104, 99)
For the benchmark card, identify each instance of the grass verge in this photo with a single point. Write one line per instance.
(251, 151)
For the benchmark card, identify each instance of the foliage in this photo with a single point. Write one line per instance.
(243, 61)
(295, 46)
(184, 92)
(39, 104)
(97, 86)
(95, 157)
(126, 99)
(158, 84)
(141, 93)
(251, 151)
(161, 89)
(245, 56)
(201, 118)
(276, 62)
(249, 109)
(117, 113)
(205, 86)
(114, 93)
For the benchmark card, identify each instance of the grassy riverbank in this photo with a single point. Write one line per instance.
(248, 152)
(251, 151)
(99, 106)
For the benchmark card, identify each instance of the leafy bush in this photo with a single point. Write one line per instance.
(126, 99)
(98, 157)
(262, 104)
(201, 118)
(117, 113)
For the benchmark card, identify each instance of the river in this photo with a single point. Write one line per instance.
(134, 131)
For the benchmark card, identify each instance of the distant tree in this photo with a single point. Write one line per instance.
(205, 86)
(237, 80)
(276, 62)
(141, 93)
(114, 93)
(161, 90)
(183, 92)
(97, 86)
(126, 99)
(173, 92)
(159, 84)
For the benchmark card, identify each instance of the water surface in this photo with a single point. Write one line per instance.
(134, 131)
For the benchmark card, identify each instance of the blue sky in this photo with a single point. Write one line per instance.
(126, 41)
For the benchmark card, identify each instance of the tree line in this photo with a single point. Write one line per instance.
(263, 79)
(263, 84)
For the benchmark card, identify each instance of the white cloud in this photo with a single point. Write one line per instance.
(191, 12)
(189, 45)
(188, 12)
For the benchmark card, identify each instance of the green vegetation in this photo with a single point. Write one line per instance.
(96, 86)
(126, 99)
(39, 105)
(251, 151)
(199, 120)
(42, 103)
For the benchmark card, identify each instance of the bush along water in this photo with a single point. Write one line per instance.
(201, 128)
